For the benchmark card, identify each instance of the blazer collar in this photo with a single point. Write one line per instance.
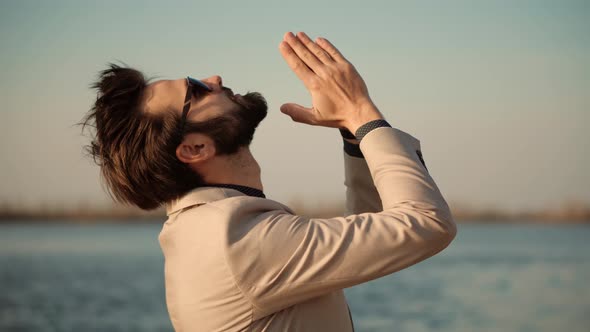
(201, 195)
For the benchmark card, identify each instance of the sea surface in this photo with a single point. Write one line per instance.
(63, 277)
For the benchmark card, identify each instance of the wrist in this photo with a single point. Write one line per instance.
(365, 113)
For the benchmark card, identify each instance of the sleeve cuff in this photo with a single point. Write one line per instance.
(346, 134)
(353, 150)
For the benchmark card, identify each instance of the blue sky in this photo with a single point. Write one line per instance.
(498, 92)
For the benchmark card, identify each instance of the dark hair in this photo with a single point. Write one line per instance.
(136, 150)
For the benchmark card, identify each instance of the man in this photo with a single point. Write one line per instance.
(236, 261)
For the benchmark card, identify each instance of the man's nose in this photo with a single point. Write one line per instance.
(214, 82)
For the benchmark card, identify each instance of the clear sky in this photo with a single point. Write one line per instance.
(498, 92)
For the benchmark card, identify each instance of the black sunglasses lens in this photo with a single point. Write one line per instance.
(198, 85)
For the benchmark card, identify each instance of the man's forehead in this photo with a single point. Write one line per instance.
(164, 94)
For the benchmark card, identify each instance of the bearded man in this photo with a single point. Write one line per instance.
(235, 260)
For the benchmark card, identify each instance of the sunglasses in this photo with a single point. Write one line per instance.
(194, 88)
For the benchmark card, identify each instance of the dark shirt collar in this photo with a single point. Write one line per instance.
(243, 189)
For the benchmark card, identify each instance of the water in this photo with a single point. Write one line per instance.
(491, 278)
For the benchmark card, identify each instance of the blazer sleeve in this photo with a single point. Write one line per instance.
(293, 258)
(361, 193)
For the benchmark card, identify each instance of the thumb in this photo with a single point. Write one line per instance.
(298, 113)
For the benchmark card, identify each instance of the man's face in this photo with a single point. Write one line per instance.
(229, 119)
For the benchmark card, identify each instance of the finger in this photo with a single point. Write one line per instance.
(297, 66)
(303, 52)
(330, 49)
(298, 113)
(314, 48)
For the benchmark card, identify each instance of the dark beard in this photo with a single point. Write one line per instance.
(253, 108)
(234, 130)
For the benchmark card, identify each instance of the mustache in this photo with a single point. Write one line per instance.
(228, 92)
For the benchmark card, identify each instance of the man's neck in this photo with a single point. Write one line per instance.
(240, 169)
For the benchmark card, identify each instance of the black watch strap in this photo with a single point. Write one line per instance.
(370, 126)
(364, 129)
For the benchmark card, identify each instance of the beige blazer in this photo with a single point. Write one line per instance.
(242, 263)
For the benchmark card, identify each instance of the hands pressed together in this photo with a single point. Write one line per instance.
(340, 98)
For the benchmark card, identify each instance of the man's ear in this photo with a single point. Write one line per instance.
(195, 148)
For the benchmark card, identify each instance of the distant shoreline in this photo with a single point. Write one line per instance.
(155, 220)
(567, 214)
